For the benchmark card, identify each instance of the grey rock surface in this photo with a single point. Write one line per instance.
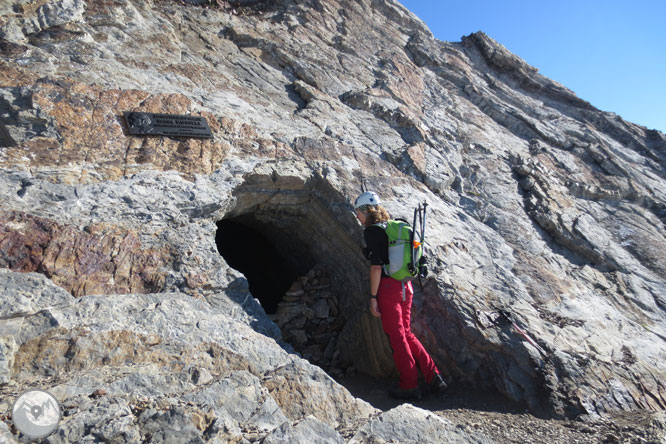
(27, 294)
(6, 434)
(163, 367)
(545, 221)
(409, 424)
(306, 431)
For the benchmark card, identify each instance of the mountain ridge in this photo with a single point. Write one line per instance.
(542, 206)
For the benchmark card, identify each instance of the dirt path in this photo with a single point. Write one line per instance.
(508, 423)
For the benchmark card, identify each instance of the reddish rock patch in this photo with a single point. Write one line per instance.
(100, 259)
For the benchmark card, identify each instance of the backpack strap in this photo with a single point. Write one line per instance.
(383, 226)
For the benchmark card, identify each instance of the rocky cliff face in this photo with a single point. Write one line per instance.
(545, 225)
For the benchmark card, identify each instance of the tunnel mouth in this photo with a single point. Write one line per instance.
(249, 250)
(298, 244)
(295, 291)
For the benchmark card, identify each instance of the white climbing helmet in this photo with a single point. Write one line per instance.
(367, 198)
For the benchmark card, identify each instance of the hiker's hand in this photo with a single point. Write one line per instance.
(374, 308)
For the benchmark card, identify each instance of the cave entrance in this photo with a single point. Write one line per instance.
(298, 245)
(250, 250)
(294, 289)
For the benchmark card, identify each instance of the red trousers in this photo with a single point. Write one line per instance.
(408, 352)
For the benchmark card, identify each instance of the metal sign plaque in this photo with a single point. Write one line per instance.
(151, 124)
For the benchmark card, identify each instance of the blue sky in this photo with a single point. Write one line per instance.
(611, 53)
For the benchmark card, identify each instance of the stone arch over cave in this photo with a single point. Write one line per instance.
(283, 230)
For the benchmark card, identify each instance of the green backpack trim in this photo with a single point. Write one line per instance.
(402, 254)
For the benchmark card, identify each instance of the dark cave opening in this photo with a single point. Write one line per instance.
(251, 251)
(276, 251)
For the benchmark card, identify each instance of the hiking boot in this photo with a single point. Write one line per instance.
(406, 394)
(437, 385)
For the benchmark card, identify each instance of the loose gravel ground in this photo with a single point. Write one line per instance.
(509, 423)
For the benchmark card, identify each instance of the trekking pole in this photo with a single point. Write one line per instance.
(412, 237)
(423, 271)
(422, 220)
(425, 204)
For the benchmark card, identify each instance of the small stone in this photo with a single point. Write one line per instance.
(321, 309)
(296, 288)
(201, 376)
(296, 337)
(293, 297)
(333, 307)
(98, 393)
(313, 353)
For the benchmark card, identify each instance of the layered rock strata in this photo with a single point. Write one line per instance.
(545, 229)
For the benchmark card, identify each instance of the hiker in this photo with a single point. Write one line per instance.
(391, 301)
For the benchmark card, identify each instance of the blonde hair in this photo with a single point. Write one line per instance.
(376, 214)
